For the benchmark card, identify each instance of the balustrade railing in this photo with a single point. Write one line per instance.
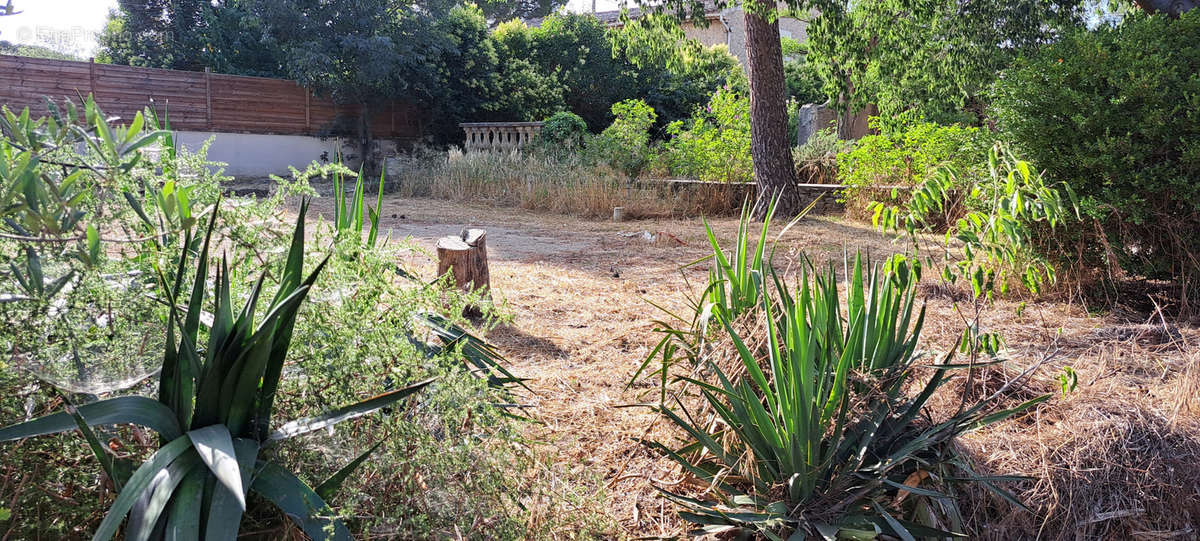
(499, 136)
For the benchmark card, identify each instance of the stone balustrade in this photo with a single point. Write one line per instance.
(499, 136)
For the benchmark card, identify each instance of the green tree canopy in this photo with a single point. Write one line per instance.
(934, 56)
(507, 10)
(675, 74)
(576, 49)
(525, 92)
(159, 33)
(34, 51)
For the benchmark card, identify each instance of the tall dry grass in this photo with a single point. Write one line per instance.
(566, 186)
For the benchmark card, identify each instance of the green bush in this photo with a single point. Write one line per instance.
(1115, 113)
(625, 144)
(905, 153)
(816, 159)
(1006, 219)
(562, 132)
(715, 144)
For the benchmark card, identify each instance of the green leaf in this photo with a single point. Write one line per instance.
(214, 444)
(300, 503)
(223, 512)
(137, 410)
(183, 519)
(477, 351)
(145, 514)
(93, 243)
(98, 449)
(134, 127)
(892, 523)
(330, 486)
(327, 419)
(139, 482)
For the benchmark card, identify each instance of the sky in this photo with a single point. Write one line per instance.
(71, 25)
(64, 25)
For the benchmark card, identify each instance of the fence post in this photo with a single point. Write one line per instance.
(208, 98)
(92, 77)
(307, 111)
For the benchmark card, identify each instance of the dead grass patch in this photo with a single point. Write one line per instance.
(1119, 458)
(543, 184)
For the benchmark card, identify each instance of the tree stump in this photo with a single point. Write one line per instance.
(465, 258)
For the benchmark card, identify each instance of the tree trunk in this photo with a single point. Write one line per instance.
(465, 256)
(845, 117)
(774, 170)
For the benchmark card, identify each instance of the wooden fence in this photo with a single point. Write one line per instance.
(195, 101)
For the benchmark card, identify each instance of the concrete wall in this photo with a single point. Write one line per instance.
(714, 34)
(256, 156)
(735, 35)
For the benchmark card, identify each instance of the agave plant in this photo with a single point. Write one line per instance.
(213, 415)
(820, 436)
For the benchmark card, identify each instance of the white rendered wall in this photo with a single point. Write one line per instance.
(250, 155)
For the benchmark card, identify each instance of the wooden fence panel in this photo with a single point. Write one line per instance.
(197, 101)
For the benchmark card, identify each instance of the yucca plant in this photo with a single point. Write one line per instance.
(482, 358)
(734, 287)
(818, 434)
(348, 208)
(213, 415)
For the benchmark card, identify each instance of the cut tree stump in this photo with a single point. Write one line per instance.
(465, 258)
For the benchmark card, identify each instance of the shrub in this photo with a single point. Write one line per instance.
(816, 159)
(625, 144)
(562, 132)
(715, 144)
(905, 153)
(1115, 113)
(1006, 219)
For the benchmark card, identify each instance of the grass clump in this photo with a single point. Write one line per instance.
(568, 185)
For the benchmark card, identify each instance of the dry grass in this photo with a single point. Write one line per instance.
(1119, 458)
(543, 184)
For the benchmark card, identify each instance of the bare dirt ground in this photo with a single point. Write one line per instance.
(579, 290)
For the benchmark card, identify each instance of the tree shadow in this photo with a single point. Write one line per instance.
(510, 338)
